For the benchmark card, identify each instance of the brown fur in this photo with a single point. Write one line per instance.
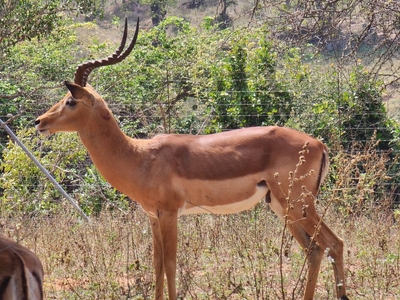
(21, 272)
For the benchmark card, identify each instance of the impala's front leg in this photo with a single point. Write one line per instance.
(169, 232)
(165, 243)
(158, 258)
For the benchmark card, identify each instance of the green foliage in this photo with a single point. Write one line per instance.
(185, 80)
(7, 105)
(363, 113)
(156, 80)
(89, 8)
(25, 189)
(27, 19)
(24, 20)
(31, 74)
(43, 61)
(342, 108)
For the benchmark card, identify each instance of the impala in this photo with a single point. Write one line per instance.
(171, 175)
(21, 272)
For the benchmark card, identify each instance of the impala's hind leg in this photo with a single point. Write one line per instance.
(333, 246)
(327, 242)
(313, 250)
(314, 255)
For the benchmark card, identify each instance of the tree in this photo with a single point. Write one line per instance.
(223, 19)
(158, 11)
(28, 19)
(24, 20)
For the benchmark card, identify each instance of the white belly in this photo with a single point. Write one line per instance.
(230, 208)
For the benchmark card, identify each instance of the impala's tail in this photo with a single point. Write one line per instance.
(324, 168)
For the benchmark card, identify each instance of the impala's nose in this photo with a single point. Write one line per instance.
(37, 122)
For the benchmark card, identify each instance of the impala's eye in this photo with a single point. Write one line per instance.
(71, 102)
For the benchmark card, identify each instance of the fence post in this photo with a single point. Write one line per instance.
(44, 171)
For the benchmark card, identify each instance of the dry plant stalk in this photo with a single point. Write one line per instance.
(362, 179)
(295, 179)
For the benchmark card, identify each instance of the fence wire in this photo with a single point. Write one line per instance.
(392, 165)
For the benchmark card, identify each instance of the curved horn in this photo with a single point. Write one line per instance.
(83, 70)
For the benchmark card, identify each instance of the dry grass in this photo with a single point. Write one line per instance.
(226, 257)
(220, 257)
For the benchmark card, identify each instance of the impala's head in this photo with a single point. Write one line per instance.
(73, 110)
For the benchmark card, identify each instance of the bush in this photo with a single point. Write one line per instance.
(26, 190)
(188, 80)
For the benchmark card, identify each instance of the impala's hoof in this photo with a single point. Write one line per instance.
(344, 298)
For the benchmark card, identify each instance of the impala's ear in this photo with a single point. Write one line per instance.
(79, 92)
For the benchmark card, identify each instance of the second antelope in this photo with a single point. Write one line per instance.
(171, 175)
(21, 272)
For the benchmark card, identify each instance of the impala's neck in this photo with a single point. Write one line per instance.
(110, 149)
(103, 137)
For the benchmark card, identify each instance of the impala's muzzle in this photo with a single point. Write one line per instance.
(42, 131)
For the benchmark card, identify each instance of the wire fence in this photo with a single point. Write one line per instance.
(392, 164)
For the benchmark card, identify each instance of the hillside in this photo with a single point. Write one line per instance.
(350, 36)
